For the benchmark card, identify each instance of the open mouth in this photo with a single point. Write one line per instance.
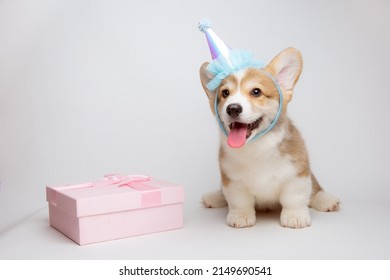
(239, 132)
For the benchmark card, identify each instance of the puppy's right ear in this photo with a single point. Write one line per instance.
(205, 78)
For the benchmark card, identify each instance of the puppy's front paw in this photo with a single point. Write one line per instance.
(214, 200)
(298, 218)
(240, 220)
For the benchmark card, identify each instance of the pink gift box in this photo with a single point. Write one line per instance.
(115, 207)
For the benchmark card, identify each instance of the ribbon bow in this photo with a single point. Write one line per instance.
(150, 195)
(121, 180)
(108, 180)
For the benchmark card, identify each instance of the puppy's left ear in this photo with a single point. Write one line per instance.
(286, 68)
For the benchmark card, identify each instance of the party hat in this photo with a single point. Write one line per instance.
(217, 46)
(225, 59)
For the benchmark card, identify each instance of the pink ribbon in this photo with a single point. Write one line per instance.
(150, 196)
(108, 180)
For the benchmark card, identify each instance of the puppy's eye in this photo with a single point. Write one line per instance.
(225, 93)
(256, 92)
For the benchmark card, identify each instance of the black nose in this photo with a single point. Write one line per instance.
(234, 110)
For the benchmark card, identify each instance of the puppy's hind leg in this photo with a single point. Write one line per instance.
(214, 199)
(321, 200)
(324, 202)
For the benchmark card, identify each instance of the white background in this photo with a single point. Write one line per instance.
(95, 87)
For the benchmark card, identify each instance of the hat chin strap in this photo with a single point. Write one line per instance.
(274, 121)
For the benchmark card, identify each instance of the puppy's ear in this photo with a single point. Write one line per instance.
(286, 68)
(205, 78)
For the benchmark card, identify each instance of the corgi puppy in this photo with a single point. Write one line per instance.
(272, 171)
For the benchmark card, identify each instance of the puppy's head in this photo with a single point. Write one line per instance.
(248, 100)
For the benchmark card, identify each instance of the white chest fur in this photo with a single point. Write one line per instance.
(258, 169)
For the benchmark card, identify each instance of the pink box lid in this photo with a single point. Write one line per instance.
(94, 199)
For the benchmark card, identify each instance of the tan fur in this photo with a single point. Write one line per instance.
(272, 68)
(230, 83)
(294, 146)
(315, 186)
(224, 178)
(255, 78)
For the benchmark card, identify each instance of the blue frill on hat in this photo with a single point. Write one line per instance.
(223, 67)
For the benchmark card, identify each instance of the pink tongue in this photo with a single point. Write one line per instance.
(237, 135)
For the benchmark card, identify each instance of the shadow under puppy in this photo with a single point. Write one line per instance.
(269, 171)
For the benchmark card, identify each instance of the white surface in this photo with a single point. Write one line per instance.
(359, 231)
(95, 87)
